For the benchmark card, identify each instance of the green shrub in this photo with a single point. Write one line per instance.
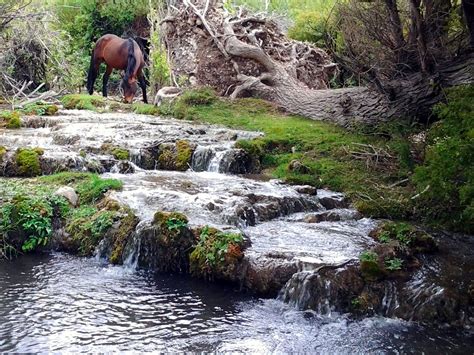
(445, 181)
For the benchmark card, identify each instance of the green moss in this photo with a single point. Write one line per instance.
(369, 266)
(116, 151)
(145, 109)
(28, 162)
(82, 102)
(184, 154)
(93, 189)
(121, 154)
(121, 235)
(166, 159)
(162, 219)
(11, 119)
(3, 151)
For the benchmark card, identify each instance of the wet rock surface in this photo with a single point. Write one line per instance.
(88, 141)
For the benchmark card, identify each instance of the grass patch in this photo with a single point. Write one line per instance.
(324, 149)
(93, 189)
(82, 102)
(145, 109)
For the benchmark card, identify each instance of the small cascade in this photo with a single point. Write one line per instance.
(202, 157)
(216, 161)
(308, 290)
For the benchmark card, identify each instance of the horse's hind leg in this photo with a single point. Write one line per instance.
(142, 83)
(108, 70)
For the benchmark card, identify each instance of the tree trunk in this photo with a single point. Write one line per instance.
(246, 55)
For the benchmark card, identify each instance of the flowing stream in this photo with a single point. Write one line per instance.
(57, 302)
(63, 303)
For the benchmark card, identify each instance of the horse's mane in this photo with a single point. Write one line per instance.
(132, 61)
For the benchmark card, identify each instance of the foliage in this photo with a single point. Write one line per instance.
(31, 217)
(40, 109)
(369, 256)
(175, 224)
(159, 66)
(87, 225)
(65, 178)
(93, 189)
(445, 181)
(394, 264)
(212, 249)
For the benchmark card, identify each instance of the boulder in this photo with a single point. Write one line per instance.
(69, 194)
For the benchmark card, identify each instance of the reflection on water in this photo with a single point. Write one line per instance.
(64, 303)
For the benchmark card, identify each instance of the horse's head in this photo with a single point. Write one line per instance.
(129, 89)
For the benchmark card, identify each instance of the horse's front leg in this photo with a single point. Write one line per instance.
(142, 83)
(107, 73)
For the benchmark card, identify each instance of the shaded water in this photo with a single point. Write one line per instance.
(63, 303)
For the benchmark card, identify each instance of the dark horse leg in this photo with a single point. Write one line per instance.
(92, 75)
(108, 70)
(142, 83)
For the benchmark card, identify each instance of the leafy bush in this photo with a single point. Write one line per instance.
(30, 219)
(445, 182)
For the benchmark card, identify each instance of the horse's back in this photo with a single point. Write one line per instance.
(114, 51)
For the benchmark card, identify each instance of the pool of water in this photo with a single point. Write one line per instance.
(57, 302)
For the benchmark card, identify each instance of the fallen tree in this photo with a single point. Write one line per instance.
(243, 54)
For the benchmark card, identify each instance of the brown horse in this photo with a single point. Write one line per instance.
(118, 53)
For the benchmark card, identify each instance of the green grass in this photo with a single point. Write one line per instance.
(322, 147)
(145, 109)
(82, 102)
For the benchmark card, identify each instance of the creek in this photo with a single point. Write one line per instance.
(57, 302)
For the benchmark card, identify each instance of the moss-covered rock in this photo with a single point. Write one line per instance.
(217, 254)
(116, 151)
(166, 243)
(3, 151)
(28, 161)
(10, 119)
(184, 154)
(176, 156)
(121, 235)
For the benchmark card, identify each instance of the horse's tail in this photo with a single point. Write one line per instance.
(91, 75)
(132, 61)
